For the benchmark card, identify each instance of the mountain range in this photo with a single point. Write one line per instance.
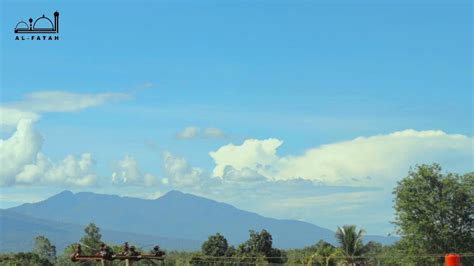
(176, 220)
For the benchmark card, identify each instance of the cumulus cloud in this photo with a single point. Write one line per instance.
(18, 150)
(11, 116)
(180, 174)
(23, 163)
(373, 160)
(71, 171)
(252, 154)
(127, 171)
(193, 132)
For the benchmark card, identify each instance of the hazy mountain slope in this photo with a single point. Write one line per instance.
(18, 231)
(175, 215)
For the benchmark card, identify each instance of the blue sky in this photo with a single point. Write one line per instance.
(314, 75)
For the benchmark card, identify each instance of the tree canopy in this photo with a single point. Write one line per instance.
(92, 239)
(44, 249)
(435, 211)
(216, 246)
(434, 214)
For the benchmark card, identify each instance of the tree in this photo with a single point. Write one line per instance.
(435, 211)
(64, 258)
(371, 250)
(91, 240)
(28, 258)
(43, 248)
(259, 244)
(350, 242)
(324, 254)
(215, 246)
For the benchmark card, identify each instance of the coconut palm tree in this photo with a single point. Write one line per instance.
(350, 241)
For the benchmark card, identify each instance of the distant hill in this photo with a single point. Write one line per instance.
(17, 232)
(175, 215)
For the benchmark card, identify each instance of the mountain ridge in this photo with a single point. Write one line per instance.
(174, 215)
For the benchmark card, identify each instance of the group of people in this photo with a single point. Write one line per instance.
(105, 252)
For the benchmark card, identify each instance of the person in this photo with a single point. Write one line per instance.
(133, 251)
(157, 252)
(126, 249)
(77, 253)
(105, 252)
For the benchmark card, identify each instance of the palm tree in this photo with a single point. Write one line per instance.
(350, 241)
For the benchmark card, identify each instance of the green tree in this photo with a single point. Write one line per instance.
(435, 211)
(215, 246)
(324, 254)
(64, 258)
(260, 244)
(22, 258)
(43, 248)
(91, 240)
(350, 242)
(371, 250)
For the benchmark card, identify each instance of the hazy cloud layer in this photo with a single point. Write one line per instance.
(36, 103)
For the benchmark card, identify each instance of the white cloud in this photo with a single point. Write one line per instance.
(61, 101)
(9, 117)
(23, 163)
(188, 133)
(193, 132)
(212, 132)
(374, 161)
(71, 171)
(180, 174)
(252, 154)
(127, 171)
(18, 150)
(39, 102)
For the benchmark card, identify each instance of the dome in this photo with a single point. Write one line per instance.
(43, 23)
(22, 25)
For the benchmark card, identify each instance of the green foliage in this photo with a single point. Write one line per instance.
(42, 246)
(350, 242)
(91, 240)
(324, 254)
(24, 258)
(435, 212)
(216, 246)
(259, 245)
(64, 259)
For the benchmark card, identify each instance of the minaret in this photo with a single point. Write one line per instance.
(56, 21)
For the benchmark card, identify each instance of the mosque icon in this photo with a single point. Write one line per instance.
(42, 24)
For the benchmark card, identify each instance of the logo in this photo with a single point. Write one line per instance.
(37, 27)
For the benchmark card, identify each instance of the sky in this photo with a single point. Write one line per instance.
(308, 110)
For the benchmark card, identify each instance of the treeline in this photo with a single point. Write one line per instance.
(434, 215)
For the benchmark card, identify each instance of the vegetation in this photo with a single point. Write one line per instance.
(91, 240)
(434, 214)
(350, 242)
(43, 248)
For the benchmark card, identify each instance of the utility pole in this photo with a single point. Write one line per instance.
(129, 255)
